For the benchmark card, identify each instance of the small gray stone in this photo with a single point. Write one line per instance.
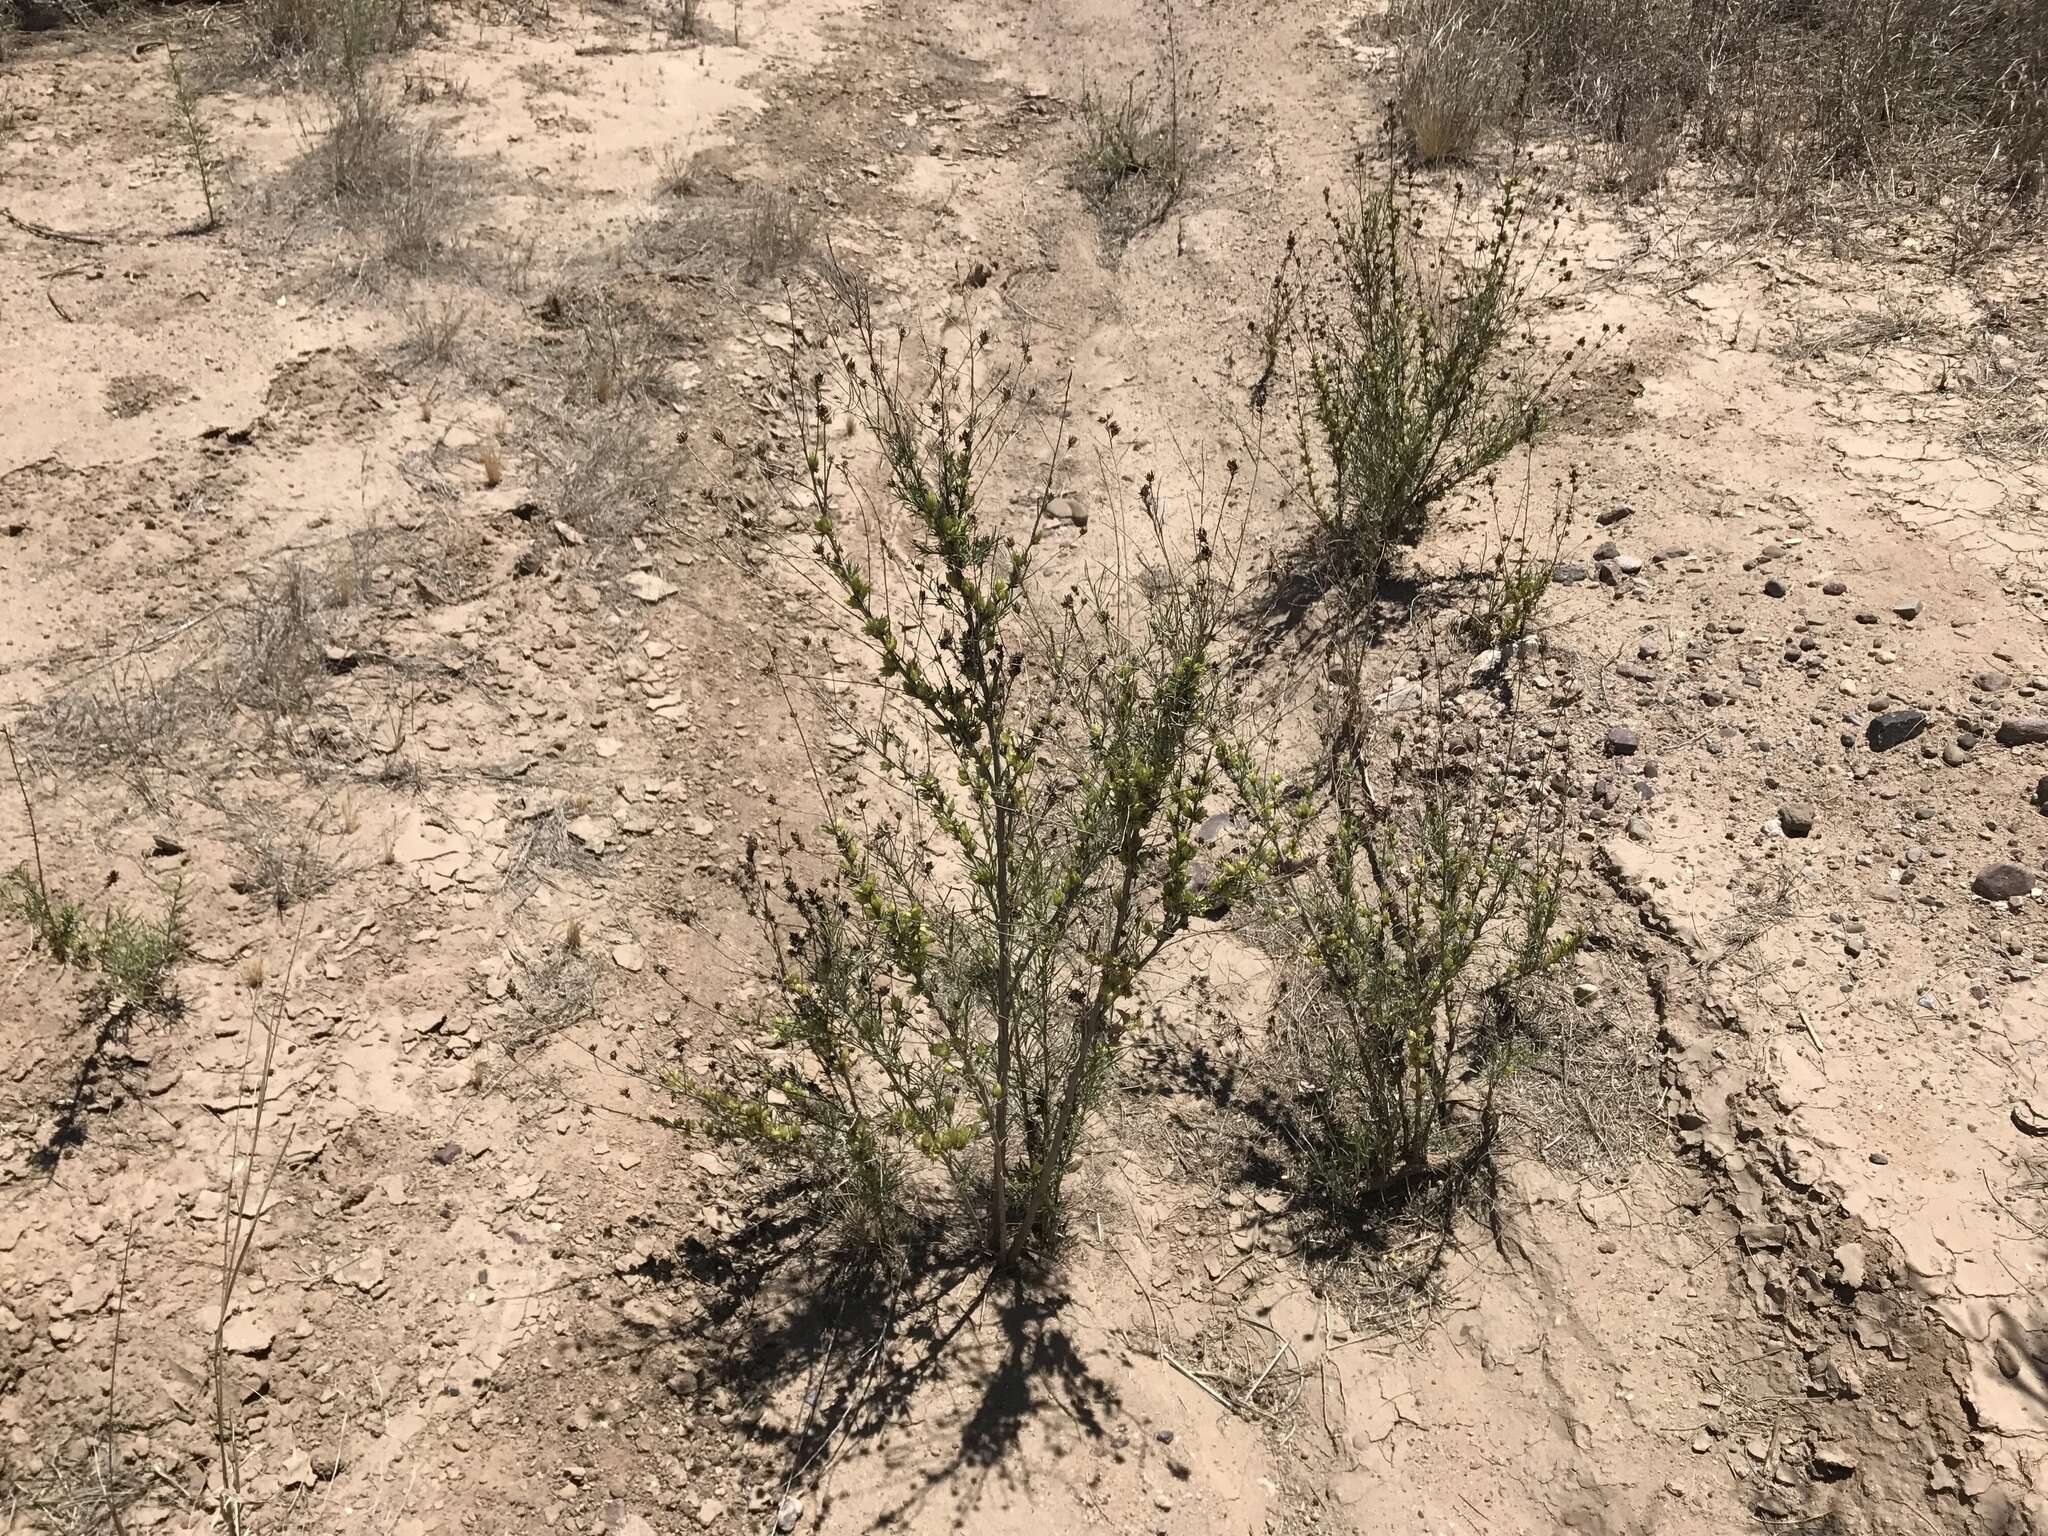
(1834, 588)
(1639, 829)
(1614, 515)
(1775, 588)
(1620, 741)
(2003, 881)
(2025, 731)
(1954, 755)
(1991, 682)
(1909, 610)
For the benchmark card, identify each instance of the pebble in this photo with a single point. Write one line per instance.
(1775, 588)
(2024, 731)
(789, 1513)
(1620, 741)
(1909, 610)
(1834, 588)
(1991, 682)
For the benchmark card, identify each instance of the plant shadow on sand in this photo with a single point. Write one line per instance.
(774, 1305)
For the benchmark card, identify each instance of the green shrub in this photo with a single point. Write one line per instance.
(132, 955)
(954, 994)
(1422, 918)
(1410, 385)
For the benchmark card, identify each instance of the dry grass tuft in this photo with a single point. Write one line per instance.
(555, 991)
(1456, 82)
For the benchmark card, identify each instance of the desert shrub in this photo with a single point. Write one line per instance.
(774, 235)
(132, 955)
(333, 36)
(1456, 80)
(1425, 901)
(1908, 98)
(1139, 146)
(953, 993)
(1409, 358)
(1522, 557)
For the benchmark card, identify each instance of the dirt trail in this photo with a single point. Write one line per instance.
(1768, 1244)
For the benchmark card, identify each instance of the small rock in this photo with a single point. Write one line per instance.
(1620, 741)
(1585, 993)
(1834, 588)
(1639, 829)
(1832, 1462)
(1775, 588)
(709, 1513)
(248, 1334)
(1614, 515)
(789, 1513)
(2003, 881)
(1909, 610)
(2027, 731)
(2041, 792)
(2029, 1118)
(448, 1152)
(1991, 682)
(1795, 820)
(1850, 1266)
(647, 586)
(1895, 727)
(1954, 755)
(629, 957)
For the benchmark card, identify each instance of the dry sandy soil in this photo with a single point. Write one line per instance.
(459, 772)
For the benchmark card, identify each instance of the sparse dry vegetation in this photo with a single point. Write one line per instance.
(1924, 101)
(1140, 145)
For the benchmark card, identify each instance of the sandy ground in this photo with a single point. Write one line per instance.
(1770, 1248)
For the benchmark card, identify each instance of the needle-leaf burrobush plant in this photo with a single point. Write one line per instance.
(954, 989)
(1414, 364)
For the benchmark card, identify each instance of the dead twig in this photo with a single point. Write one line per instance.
(44, 232)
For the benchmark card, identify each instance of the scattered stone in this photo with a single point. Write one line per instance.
(1991, 682)
(1608, 551)
(1775, 588)
(2041, 792)
(629, 957)
(1795, 820)
(365, 1273)
(1615, 514)
(1954, 755)
(248, 1334)
(1909, 610)
(1620, 741)
(1639, 829)
(1834, 588)
(1850, 1266)
(1585, 993)
(648, 587)
(1833, 1462)
(709, 1513)
(2029, 1118)
(1569, 573)
(1895, 727)
(2003, 881)
(447, 1152)
(789, 1513)
(2025, 731)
